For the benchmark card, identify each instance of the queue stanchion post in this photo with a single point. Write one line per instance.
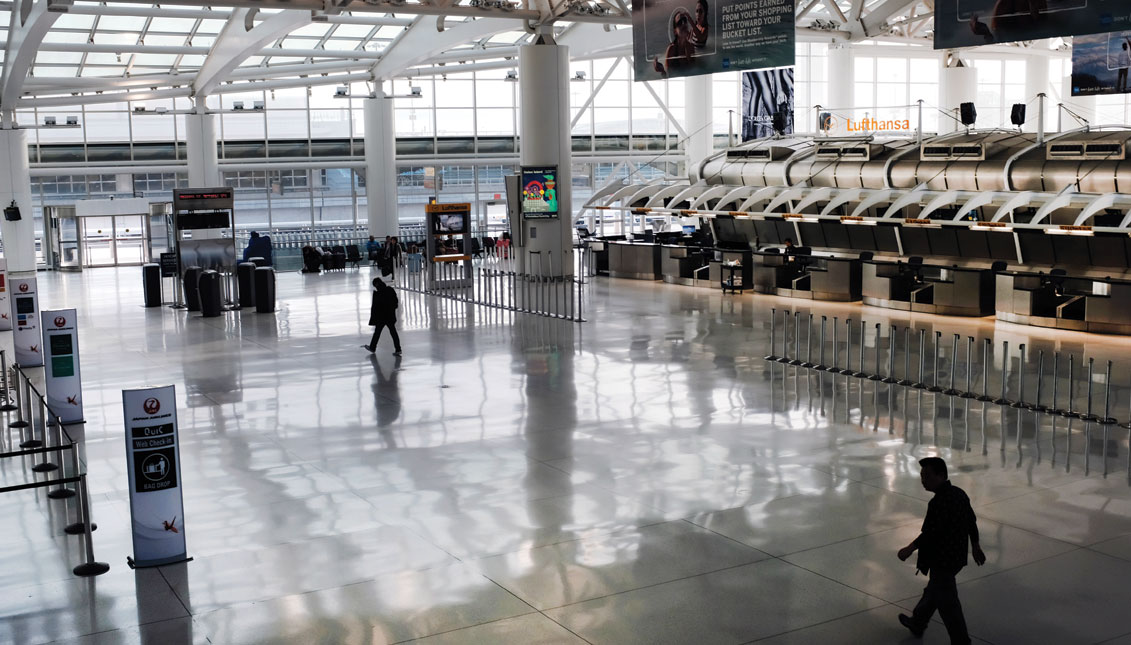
(967, 394)
(29, 418)
(1055, 383)
(985, 397)
(835, 368)
(906, 380)
(952, 391)
(7, 406)
(1020, 402)
(1070, 411)
(1001, 400)
(1036, 405)
(1088, 415)
(62, 492)
(77, 527)
(821, 366)
(808, 342)
(796, 360)
(875, 375)
(890, 378)
(847, 371)
(773, 329)
(44, 466)
(1107, 421)
(20, 405)
(860, 373)
(91, 567)
(935, 387)
(921, 384)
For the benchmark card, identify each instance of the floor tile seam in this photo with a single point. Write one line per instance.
(817, 624)
(416, 639)
(833, 580)
(654, 584)
(725, 537)
(598, 534)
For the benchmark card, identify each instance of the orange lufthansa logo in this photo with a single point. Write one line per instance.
(828, 122)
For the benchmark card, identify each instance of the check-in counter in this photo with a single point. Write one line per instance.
(726, 256)
(635, 260)
(928, 288)
(686, 265)
(816, 277)
(1064, 302)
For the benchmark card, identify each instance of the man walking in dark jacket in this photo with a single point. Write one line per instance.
(382, 314)
(949, 525)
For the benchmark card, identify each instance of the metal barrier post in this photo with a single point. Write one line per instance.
(90, 567)
(890, 378)
(820, 366)
(875, 375)
(1020, 402)
(1036, 406)
(1070, 412)
(835, 369)
(1004, 373)
(863, 330)
(1055, 382)
(773, 330)
(62, 492)
(967, 394)
(7, 406)
(43, 466)
(934, 387)
(1088, 416)
(953, 367)
(919, 385)
(1107, 420)
(847, 371)
(906, 380)
(796, 360)
(985, 396)
(808, 362)
(29, 421)
(19, 422)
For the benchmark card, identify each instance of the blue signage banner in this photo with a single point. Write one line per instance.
(673, 38)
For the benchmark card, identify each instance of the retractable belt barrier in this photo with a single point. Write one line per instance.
(41, 433)
(791, 354)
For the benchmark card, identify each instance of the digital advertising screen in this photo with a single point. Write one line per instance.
(1100, 64)
(672, 38)
(968, 23)
(540, 192)
(449, 223)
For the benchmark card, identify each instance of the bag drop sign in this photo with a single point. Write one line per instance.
(156, 504)
(26, 337)
(63, 378)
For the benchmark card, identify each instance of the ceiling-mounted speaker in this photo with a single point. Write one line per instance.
(1017, 114)
(967, 114)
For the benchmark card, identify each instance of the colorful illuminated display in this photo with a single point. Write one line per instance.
(540, 192)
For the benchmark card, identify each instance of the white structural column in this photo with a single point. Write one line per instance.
(15, 185)
(958, 85)
(381, 166)
(544, 140)
(842, 85)
(200, 144)
(1036, 82)
(700, 123)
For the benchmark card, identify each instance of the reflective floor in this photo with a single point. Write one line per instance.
(645, 477)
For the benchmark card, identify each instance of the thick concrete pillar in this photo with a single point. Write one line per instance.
(699, 122)
(544, 140)
(381, 166)
(200, 144)
(1036, 82)
(958, 84)
(15, 185)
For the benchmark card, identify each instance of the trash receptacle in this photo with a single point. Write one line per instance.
(192, 291)
(264, 290)
(245, 281)
(210, 296)
(151, 281)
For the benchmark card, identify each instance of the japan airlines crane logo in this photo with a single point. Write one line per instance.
(151, 406)
(73, 400)
(34, 349)
(23, 288)
(60, 321)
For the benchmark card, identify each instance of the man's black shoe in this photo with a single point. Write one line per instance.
(906, 621)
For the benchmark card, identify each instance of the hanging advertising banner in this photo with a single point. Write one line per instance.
(767, 92)
(61, 359)
(154, 466)
(968, 23)
(1100, 64)
(5, 306)
(25, 314)
(673, 38)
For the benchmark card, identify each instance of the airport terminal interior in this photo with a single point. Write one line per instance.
(685, 292)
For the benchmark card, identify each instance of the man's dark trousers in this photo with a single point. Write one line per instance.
(942, 594)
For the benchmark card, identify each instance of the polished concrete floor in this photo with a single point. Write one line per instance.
(645, 477)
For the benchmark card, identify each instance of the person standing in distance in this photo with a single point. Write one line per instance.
(949, 525)
(382, 314)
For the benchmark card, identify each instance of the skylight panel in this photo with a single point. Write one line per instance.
(39, 71)
(342, 43)
(122, 23)
(65, 37)
(109, 70)
(172, 25)
(316, 29)
(352, 31)
(72, 21)
(103, 38)
(54, 58)
(210, 26)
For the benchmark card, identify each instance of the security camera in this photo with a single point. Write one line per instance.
(48, 120)
(161, 110)
(72, 120)
(237, 105)
(341, 91)
(414, 91)
(257, 105)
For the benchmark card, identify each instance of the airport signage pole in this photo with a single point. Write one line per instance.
(5, 305)
(61, 357)
(154, 467)
(25, 314)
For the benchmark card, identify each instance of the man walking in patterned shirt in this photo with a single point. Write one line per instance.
(949, 525)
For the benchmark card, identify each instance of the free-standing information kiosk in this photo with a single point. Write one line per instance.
(25, 313)
(450, 266)
(154, 466)
(206, 236)
(5, 306)
(64, 381)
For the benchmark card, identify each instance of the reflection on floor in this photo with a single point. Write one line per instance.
(645, 477)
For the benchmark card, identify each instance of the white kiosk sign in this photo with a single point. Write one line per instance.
(5, 306)
(25, 315)
(64, 381)
(154, 467)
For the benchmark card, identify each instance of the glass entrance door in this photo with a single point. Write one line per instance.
(113, 240)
